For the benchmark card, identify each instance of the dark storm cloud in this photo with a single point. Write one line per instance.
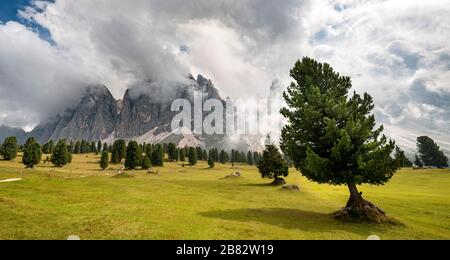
(258, 18)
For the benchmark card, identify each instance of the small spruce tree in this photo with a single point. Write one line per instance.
(250, 158)
(211, 163)
(133, 157)
(10, 148)
(32, 153)
(146, 164)
(61, 155)
(273, 166)
(158, 156)
(172, 152)
(192, 156)
(104, 161)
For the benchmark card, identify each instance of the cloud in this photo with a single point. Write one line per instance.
(395, 50)
(128, 41)
(36, 79)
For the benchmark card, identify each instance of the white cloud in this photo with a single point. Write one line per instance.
(36, 79)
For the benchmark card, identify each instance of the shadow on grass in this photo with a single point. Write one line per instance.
(291, 219)
(259, 185)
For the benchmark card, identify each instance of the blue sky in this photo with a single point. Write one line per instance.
(9, 8)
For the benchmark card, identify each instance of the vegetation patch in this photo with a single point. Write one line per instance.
(123, 175)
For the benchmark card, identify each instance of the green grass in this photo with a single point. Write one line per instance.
(197, 203)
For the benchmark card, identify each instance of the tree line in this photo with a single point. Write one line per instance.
(145, 155)
(133, 155)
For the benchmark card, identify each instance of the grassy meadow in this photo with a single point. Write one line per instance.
(197, 203)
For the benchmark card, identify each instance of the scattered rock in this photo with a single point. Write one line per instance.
(234, 175)
(150, 172)
(373, 237)
(11, 180)
(73, 237)
(291, 187)
(279, 182)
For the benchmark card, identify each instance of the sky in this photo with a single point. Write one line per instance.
(397, 51)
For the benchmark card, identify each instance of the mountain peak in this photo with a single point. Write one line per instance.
(97, 90)
(202, 81)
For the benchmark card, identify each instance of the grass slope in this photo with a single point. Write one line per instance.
(196, 203)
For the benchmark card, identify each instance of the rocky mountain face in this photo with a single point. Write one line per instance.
(144, 114)
(19, 133)
(94, 118)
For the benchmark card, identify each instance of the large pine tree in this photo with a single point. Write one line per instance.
(211, 162)
(121, 149)
(182, 154)
(250, 160)
(332, 137)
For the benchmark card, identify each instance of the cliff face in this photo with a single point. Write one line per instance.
(94, 118)
(146, 109)
(98, 115)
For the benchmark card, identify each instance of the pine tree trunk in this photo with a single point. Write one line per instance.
(278, 181)
(358, 209)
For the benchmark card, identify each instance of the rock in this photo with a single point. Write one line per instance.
(73, 237)
(291, 187)
(234, 175)
(278, 182)
(93, 119)
(150, 172)
(373, 238)
(11, 180)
